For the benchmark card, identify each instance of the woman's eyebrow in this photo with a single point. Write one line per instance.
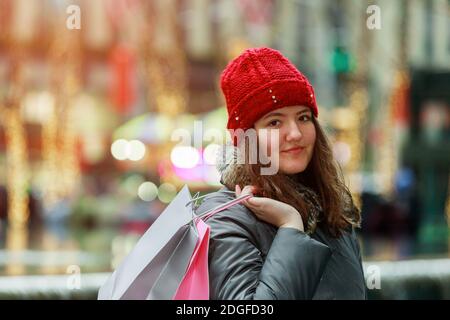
(273, 114)
(282, 114)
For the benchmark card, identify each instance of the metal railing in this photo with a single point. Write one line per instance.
(408, 279)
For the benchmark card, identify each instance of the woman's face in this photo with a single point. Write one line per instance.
(296, 137)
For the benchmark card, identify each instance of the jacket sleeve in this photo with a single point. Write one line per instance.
(292, 269)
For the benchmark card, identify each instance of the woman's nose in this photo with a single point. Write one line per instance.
(294, 132)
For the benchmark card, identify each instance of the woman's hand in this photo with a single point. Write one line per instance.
(272, 211)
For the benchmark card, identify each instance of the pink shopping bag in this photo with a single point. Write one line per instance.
(195, 284)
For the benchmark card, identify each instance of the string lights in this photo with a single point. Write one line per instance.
(390, 147)
(60, 165)
(18, 170)
(16, 149)
(165, 60)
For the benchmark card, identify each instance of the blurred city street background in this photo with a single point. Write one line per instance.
(91, 92)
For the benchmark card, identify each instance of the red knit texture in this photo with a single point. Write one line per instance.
(261, 80)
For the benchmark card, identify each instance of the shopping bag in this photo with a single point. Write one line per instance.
(195, 284)
(170, 261)
(161, 254)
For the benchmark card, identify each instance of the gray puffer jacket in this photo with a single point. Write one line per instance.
(251, 259)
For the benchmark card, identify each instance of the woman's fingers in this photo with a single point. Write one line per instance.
(252, 202)
(255, 201)
(240, 192)
(247, 190)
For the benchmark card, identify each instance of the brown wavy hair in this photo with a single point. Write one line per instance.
(323, 175)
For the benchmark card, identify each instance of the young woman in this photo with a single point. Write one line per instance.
(295, 238)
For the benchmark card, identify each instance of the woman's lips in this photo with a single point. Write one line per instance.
(294, 150)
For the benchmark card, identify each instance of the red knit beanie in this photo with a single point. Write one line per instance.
(261, 80)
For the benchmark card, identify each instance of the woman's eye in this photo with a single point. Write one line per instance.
(273, 123)
(305, 118)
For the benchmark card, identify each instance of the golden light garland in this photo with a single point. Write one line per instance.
(165, 60)
(17, 173)
(358, 105)
(349, 126)
(16, 240)
(389, 149)
(17, 167)
(167, 80)
(70, 169)
(165, 66)
(49, 160)
(60, 165)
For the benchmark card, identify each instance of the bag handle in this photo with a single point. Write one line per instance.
(196, 197)
(224, 206)
(220, 207)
